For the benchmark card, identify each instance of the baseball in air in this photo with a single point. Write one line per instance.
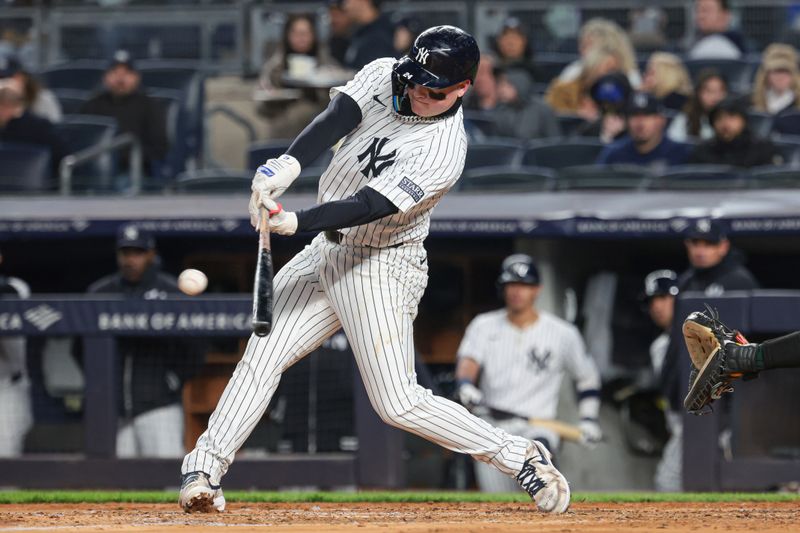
(192, 282)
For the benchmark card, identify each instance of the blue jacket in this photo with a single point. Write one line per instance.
(623, 152)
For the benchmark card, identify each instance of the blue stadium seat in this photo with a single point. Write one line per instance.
(494, 152)
(25, 168)
(771, 177)
(79, 132)
(560, 153)
(259, 152)
(759, 123)
(479, 124)
(71, 100)
(787, 123)
(570, 123)
(170, 41)
(694, 177)
(214, 180)
(507, 179)
(789, 146)
(736, 71)
(603, 177)
(177, 130)
(80, 75)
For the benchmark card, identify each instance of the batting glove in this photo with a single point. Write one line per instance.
(469, 395)
(591, 434)
(274, 177)
(280, 221)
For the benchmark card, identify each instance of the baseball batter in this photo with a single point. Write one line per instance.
(403, 148)
(511, 363)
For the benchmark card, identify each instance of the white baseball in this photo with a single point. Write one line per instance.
(192, 282)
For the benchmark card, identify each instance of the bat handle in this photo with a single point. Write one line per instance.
(263, 228)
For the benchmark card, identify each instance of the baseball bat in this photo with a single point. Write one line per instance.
(262, 285)
(562, 429)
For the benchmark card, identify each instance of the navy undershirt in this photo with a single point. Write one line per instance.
(340, 118)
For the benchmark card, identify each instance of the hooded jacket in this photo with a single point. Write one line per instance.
(743, 151)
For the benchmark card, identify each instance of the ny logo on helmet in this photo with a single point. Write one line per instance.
(422, 55)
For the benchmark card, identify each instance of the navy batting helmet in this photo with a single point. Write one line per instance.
(440, 57)
(518, 268)
(660, 283)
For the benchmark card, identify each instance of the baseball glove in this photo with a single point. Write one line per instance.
(707, 339)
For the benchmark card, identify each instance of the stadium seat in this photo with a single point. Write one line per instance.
(494, 152)
(570, 123)
(759, 123)
(213, 180)
(25, 168)
(560, 153)
(80, 132)
(507, 179)
(736, 71)
(771, 177)
(787, 123)
(603, 177)
(789, 146)
(259, 152)
(71, 100)
(80, 75)
(692, 177)
(479, 124)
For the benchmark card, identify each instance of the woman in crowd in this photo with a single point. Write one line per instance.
(710, 89)
(513, 49)
(668, 80)
(573, 96)
(777, 84)
(600, 33)
(38, 100)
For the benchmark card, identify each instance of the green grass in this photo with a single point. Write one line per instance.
(7, 497)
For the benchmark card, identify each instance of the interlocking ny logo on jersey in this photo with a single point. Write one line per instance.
(540, 360)
(422, 55)
(377, 162)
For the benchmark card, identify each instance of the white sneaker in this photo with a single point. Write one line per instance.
(198, 495)
(542, 481)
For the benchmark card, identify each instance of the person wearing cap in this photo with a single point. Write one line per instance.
(660, 291)
(39, 100)
(610, 94)
(151, 371)
(373, 34)
(507, 98)
(16, 412)
(123, 99)
(777, 84)
(511, 362)
(646, 144)
(733, 142)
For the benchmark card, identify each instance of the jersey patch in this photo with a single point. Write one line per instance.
(414, 190)
(377, 162)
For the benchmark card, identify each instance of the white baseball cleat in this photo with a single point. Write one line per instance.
(198, 495)
(542, 481)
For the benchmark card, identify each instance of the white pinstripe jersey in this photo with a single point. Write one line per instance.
(412, 161)
(522, 369)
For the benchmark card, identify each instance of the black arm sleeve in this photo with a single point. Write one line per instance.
(340, 118)
(361, 208)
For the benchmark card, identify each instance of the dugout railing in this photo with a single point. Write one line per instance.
(376, 463)
(751, 440)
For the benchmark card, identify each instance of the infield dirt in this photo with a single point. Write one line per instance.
(412, 517)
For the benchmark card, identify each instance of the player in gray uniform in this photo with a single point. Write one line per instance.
(403, 148)
(511, 363)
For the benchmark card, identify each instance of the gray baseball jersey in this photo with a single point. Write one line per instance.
(522, 369)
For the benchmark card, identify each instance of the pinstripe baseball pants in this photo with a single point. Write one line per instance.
(373, 295)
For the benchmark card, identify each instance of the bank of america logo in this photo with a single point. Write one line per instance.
(43, 316)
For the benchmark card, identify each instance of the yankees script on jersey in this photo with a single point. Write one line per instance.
(522, 369)
(370, 285)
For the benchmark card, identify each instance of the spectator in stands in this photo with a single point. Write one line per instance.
(668, 80)
(610, 94)
(709, 90)
(18, 125)
(777, 84)
(300, 56)
(406, 31)
(338, 31)
(646, 144)
(599, 33)
(647, 28)
(715, 39)
(733, 143)
(39, 101)
(16, 414)
(507, 97)
(373, 36)
(513, 50)
(135, 112)
(152, 371)
(573, 96)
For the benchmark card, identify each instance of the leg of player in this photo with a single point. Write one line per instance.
(302, 320)
(375, 293)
